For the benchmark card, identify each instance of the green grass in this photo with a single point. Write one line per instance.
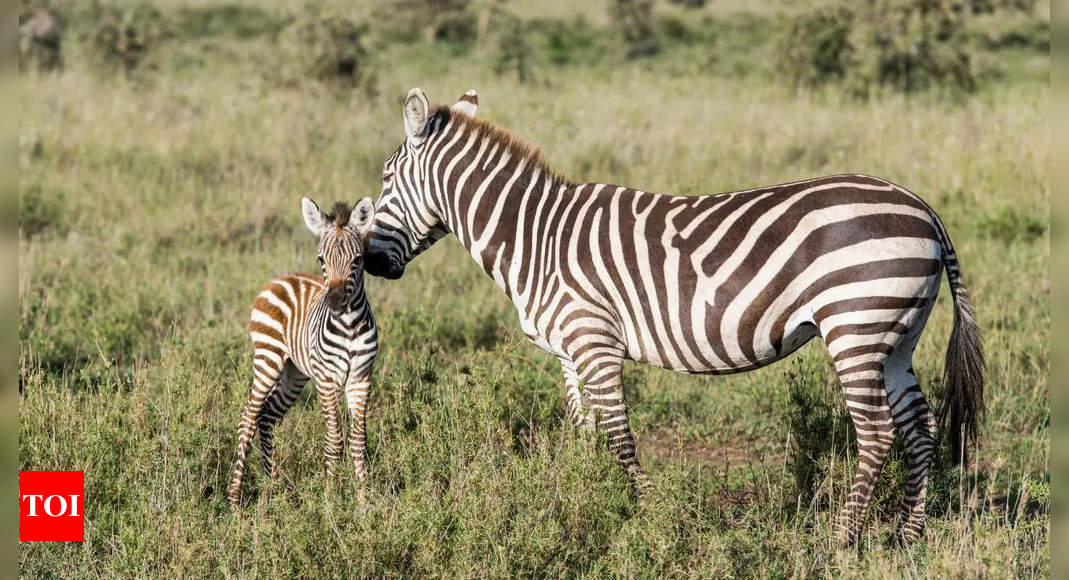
(153, 208)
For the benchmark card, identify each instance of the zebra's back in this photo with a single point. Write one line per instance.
(280, 317)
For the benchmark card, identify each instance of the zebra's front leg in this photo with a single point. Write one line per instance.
(290, 385)
(357, 393)
(578, 409)
(601, 378)
(327, 391)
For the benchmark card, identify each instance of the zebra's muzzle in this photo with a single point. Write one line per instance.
(335, 297)
(381, 265)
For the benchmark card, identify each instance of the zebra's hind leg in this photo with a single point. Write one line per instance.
(266, 369)
(282, 398)
(601, 373)
(915, 422)
(327, 392)
(859, 364)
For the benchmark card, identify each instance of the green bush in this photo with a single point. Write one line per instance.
(40, 212)
(909, 46)
(817, 47)
(329, 49)
(40, 37)
(124, 35)
(990, 6)
(820, 431)
(514, 49)
(568, 41)
(899, 45)
(633, 21)
(1010, 224)
(689, 3)
(426, 20)
(234, 20)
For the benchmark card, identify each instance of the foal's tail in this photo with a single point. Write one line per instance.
(963, 375)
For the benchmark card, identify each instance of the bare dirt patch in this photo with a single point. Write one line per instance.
(665, 444)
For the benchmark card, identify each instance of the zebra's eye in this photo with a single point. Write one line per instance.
(320, 258)
(387, 177)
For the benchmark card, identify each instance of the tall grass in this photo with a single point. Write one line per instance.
(153, 208)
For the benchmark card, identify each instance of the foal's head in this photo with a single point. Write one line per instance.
(342, 239)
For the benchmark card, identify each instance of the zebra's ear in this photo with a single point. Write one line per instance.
(416, 111)
(362, 216)
(467, 104)
(313, 218)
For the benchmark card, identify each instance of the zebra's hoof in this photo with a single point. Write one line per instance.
(899, 540)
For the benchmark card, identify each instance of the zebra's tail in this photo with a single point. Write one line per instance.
(963, 374)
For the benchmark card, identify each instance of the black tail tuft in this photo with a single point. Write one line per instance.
(963, 377)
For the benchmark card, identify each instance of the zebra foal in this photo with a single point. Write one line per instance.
(305, 326)
(713, 284)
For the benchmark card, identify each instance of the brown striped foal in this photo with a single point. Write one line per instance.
(305, 326)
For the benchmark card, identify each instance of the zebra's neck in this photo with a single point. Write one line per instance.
(484, 192)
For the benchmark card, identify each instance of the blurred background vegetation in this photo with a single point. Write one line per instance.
(165, 145)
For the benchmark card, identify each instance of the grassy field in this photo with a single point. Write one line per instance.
(153, 205)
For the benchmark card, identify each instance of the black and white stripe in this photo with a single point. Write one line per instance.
(713, 284)
(305, 326)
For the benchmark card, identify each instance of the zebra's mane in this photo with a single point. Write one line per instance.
(341, 214)
(515, 145)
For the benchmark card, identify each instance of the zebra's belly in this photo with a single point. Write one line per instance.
(706, 354)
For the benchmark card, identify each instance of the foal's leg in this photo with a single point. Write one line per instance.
(266, 369)
(290, 385)
(357, 393)
(327, 392)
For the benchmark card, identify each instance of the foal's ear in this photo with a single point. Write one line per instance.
(313, 218)
(467, 104)
(416, 111)
(363, 215)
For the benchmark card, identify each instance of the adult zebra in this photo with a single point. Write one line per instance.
(712, 284)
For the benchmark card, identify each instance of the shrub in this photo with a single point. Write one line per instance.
(567, 42)
(40, 212)
(900, 45)
(513, 49)
(990, 6)
(820, 430)
(1009, 224)
(124, 36)
(40, 37)
(633, 21)
(689, 3)
(427, 20)
(909, 46)
(817, 47)
(329, 49)
(234, 20)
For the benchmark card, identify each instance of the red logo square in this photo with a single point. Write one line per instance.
(51, 506)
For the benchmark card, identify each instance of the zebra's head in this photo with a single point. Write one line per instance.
(342, 240)
(407, 220)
